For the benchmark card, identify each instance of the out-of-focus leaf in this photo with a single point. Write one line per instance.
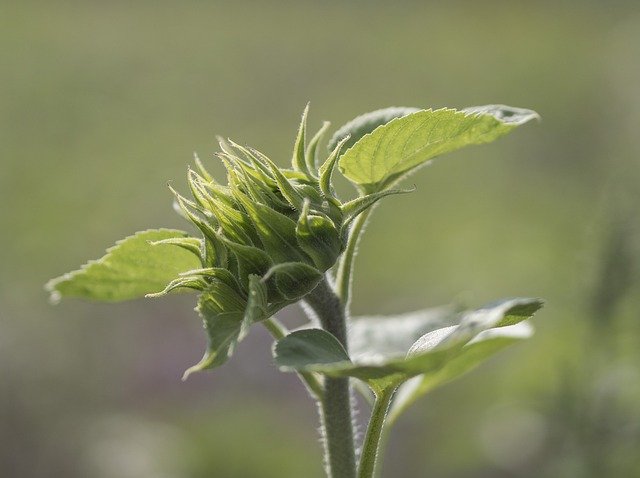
(481, 348)
(380, 337)
(430, 354)
(130, 269)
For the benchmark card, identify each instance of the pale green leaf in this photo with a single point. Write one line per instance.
(380, 337)
(130, 269)
(380, 158)
(355, 129)
(430, 354)
(478, 350)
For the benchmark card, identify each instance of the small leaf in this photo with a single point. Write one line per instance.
(308, 347)
(130, 269)
(365, 124)
(222, 310)
(380, 158)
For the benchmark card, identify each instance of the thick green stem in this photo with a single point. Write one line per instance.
(345, 266)
(373, 440)
(279, 331)
(335, 406)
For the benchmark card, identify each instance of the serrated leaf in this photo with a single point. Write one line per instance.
(365, 124)
(429, 355)
(386, 154)
(130, 269)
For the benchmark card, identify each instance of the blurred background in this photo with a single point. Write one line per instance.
(103, 102)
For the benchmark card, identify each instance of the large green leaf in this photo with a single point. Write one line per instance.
(130, 269)
(355, 129)
(430, 354)
(381, 157)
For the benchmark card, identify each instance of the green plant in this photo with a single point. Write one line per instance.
(271, 237)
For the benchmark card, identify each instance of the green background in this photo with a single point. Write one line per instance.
(103, 102)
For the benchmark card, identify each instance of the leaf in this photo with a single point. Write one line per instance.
(365, 124)
(379, 337)
(308, 347)
(478, 350)
(222, 311)
(130, 269)
(430, 354)
(380, 158)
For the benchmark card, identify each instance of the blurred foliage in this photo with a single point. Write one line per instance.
(103, 102)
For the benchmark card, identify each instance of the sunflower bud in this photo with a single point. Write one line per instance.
(268, 236)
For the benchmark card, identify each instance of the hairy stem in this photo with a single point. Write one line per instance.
(345, 266)
(373, 441)
(279, 331)
(335, 406)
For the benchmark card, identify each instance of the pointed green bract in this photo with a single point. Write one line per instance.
(381, 157)
(130, 269)
(257, 304)
(357, 206)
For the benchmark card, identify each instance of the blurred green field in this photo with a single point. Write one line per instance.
(103, 102)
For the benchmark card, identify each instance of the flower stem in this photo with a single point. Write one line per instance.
(335, 407)
(372, 442)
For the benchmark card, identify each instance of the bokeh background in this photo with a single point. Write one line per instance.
(103, 102)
